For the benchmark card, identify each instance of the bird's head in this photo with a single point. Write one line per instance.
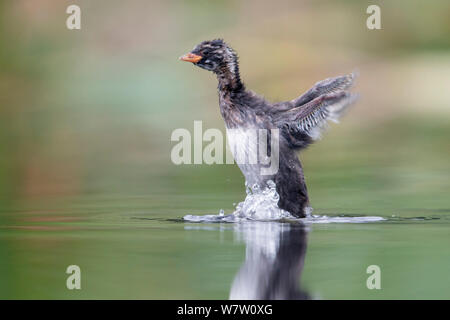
(212, 55)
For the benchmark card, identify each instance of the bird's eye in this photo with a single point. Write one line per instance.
(206, 52)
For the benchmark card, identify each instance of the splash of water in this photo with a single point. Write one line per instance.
(261, 204)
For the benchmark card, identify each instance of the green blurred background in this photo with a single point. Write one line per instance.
(85, 123)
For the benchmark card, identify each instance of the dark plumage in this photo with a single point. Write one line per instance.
(299, 121)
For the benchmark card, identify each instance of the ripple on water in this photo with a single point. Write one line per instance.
(261, 204)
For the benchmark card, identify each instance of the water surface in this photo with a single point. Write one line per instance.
(122, 223)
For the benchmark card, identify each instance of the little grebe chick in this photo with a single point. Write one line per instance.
(299, 121)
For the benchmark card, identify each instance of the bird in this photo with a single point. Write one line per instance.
(298, 122)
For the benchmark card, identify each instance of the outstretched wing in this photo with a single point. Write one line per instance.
(326, 86)
(329, 85)
(302, 124)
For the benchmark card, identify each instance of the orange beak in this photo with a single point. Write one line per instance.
(190, 57)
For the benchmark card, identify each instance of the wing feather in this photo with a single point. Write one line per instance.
(310, 118)
(326, 86)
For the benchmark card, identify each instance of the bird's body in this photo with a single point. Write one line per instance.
(298, 122)
(246, 113)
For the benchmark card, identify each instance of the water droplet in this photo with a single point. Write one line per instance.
(271, 184)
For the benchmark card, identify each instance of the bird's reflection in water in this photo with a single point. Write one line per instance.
(275, 254)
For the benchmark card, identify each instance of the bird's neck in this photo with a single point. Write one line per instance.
(229, 77)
